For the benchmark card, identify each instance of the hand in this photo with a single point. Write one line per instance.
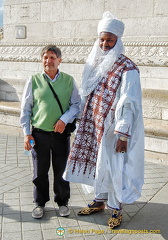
(78, 120)
(27, 139)
(59, 126)
(121, 146)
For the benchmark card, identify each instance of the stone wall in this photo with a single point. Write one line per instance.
(76, 20)
(72, 24)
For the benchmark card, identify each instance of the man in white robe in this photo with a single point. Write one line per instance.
(108, 150)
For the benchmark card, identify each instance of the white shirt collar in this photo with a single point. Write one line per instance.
(55, 78)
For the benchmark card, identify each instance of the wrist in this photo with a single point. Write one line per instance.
(122, 138)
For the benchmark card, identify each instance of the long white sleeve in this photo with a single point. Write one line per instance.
(124, 125)
(129, 90)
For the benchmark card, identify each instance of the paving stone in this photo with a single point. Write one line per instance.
(11, 210)
(12, 217)
(29, 226)
(12, 236)
(50, 234)
(9, 195)
(12, 227)
(37, 235)
(50, 224)
(12, 202)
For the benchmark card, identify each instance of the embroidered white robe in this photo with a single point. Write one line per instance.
(120, 113)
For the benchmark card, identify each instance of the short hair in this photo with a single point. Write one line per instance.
(52, 48)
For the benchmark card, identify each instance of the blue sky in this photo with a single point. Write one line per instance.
(1, 13)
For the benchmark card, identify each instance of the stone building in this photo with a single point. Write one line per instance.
(72, 25)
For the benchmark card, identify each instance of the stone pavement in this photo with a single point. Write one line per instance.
(147, 218)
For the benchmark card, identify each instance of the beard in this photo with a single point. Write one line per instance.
(99, 62)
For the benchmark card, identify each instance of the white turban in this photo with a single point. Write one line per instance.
(109, 23)
(99, 62)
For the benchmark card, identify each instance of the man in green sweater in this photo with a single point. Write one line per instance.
(43, 122)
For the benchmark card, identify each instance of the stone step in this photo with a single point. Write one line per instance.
(10, 113)
(10, 118)
(156, 135)
(12, 108)
(156, 157)
(156, 127)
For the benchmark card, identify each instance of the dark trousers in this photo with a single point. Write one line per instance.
(50, 146)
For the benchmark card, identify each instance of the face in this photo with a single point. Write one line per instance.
(107, 41)
(50, 62)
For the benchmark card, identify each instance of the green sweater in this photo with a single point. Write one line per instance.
(46, 111)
